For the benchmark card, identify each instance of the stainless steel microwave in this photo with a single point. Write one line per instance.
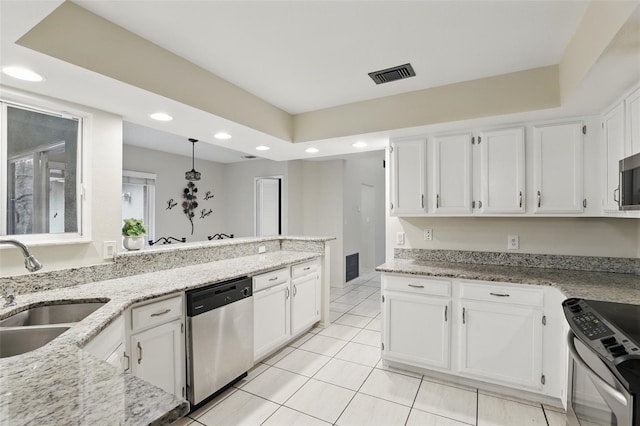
(630, 183)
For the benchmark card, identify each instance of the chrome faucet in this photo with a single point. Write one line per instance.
(31, 263)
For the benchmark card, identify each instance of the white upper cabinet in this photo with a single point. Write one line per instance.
(452, 180)
(613, 135)
(502, 171)
(632, 107)
(408, 176)
(558, 168)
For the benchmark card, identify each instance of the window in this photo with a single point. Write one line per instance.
(41, 175)
(138, 199)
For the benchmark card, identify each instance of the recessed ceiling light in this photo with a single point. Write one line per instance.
(161, 116)
(22, 73)
(222, 135)
(359, 145)
(262, 148)
(311, 150)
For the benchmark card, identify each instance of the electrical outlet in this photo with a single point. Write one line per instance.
(513, 242)
(400, 238)
(109, 249)
(262, 249)
(428, 234)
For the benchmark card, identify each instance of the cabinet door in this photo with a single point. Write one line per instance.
(416, 329)
(501, 343)
(271, 319)
(502, 171)
(613, 133)
(408, 176)
(305, 306)
(158, 357)
(632, 109)
(452, 166)
(558, 164)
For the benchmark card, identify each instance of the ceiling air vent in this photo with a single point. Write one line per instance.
(249, 157)
(391, 74)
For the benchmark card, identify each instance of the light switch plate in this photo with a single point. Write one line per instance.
(262, 249)
(400, 238)
(109, 249)
(428, 234)
(513, 242)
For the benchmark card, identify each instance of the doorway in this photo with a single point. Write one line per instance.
(367, 228)
(268, 206)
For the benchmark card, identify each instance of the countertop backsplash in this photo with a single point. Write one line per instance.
(546, 261)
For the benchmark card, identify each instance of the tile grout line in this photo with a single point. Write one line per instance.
(414, 400)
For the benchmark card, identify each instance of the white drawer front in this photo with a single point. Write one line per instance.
(305, 268)
(502, 294)
(156, 313)
(270, 279)
(418, 285)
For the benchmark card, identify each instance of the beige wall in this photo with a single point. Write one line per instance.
(564, 236)
(105, 148)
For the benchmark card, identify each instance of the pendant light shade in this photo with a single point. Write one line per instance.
(192, 175)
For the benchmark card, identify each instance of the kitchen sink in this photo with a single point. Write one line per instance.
(19, 340)
(52, 314)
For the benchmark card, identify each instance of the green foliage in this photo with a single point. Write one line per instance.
(133, 228)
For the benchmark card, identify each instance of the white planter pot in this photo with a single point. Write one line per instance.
(133, 243)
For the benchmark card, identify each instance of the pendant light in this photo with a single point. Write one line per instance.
(192, 175)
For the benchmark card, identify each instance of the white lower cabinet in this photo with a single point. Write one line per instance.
(305, 302)
(156, 351)
(271, 319)
(417, 329)
(158, 356)
(501, 343)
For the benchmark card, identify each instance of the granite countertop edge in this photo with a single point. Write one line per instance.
(121, 293)
(605, 286)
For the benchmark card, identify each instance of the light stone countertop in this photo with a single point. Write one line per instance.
(605, 286)
(60, 383)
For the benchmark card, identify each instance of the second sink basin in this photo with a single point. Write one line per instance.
(52, 314)
(17, 341)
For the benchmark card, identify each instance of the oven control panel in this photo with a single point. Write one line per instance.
(592, 329)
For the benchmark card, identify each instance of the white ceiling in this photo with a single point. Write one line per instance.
(305, 55)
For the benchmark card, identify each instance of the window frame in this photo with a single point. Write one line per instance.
(150, 201)
(9, 98)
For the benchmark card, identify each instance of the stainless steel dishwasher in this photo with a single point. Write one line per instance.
(219, 337)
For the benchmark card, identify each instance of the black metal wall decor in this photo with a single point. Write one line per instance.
(167, 240)
(204, 213)
(208, 195)
(171, 204)
(219, 237)
(190, 204)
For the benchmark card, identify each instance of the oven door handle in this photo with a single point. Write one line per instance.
(606, 387)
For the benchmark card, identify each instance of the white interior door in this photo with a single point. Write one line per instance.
(367, 228)
(267, 207)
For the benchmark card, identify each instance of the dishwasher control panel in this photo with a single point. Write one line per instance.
(217, 295)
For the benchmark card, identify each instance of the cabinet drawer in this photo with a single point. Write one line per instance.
(525, 295)
(270, 279)
(418, 285)
(156, 313)
(304, 268)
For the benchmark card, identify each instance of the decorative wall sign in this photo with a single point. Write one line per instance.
(204, 213)
(190, 204)
(208, 195)
(171, 204)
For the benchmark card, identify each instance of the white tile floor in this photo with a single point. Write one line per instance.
(334, 376)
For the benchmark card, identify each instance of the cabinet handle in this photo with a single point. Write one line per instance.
(139, 353)
(126, 358)
(274, 278)
(463, 319)
(616, 199)
(422, 201)
(157, 314)
(287, 293)
(539, 198)
(445, 313)
(479, 204)
(499, 294)
(415, 286)
(307, 268)
(295, 289)
(520, 198)
(437, 201)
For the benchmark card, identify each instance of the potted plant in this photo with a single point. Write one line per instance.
(133, 232)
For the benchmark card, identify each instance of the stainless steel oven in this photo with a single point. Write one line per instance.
(604, 371)
(630, 183)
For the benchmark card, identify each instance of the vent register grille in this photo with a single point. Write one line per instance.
(399, 72)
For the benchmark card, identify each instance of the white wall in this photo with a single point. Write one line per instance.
(357, 171)
(295, 185)
(239, 201)
(105, 171)
(563, 236)
(323, 209)
(170, 183)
